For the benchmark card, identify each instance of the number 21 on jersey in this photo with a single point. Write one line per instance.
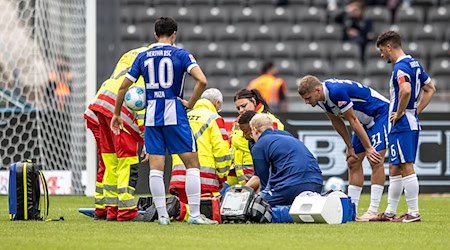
(165, 73)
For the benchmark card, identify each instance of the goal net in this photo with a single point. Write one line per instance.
(42, 88)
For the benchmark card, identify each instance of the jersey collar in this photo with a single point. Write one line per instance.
(326, 93)
(161, 44)
(402, 57)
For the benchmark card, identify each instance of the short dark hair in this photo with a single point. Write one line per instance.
(165, 26)
(246, 117)
(390, 37)
(266, 66)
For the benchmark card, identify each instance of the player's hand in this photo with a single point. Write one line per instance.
(146, 156)
(373, 156)
(116, 124)
(184, 102)
(351, 153)
(141, 134)
(395, 116)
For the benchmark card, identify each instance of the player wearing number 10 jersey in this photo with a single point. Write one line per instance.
(163, 68)
(411, 91)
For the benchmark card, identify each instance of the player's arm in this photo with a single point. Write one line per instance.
(200, 85)
(339, 125)
(116, 121)
(428, 92)
(372, 155)
(253, 183)
(131, 77)
(403, 99)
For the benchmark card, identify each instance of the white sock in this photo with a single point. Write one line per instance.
(411, 184)
(354, 192)
(158, 190)
(376, 191)
(394, 192)
(193, 190)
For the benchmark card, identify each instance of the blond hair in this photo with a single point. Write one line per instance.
(307, 84)
(261, 122)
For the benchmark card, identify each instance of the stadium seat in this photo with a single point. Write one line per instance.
(371, 52)
(261, 3)
(278, 50)
(287, 68)
(345, 50)
(312, 50)
(248, 67)
(262, 33)
(427, 33)
(196, 33)
(213, 16)
(223, 83)
(247, 17)
(319, 3)
(424, 3)
(127, 16)
(414, 15)
(218, 67)
(379, 71)
(207, 50)
(299, 3)
(439, 16)
(132, 33)
(330, 32)
(379, 83)
(168, 3)
(380, 15)
(292, 83)
(149, 15)
(348, 69)
(440, 67)
(295, 33)
(439, 50)
(283, 15)
(199, 3)
(317, 67)
(441, 83)
(185, 15)
(232, 85)
(229, 32)
(192, 47)
(419, 51)
(245, 50)
(311, 15)
(233, 3)
(405, 30)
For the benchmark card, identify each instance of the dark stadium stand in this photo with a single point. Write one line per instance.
(231, 38)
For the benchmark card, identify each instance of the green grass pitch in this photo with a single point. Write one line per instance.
(81, 232)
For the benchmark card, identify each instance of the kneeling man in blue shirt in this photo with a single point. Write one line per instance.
(284, 167)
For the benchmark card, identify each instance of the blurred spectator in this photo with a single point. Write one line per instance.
(272, 89)
(60, 80)
(357, 28)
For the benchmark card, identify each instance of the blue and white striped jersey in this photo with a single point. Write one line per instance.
(163, 68)
(341, 95)
(407, 69)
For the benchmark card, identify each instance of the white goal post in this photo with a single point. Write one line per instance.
(47, 78)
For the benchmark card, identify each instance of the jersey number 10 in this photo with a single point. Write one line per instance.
(165, 78)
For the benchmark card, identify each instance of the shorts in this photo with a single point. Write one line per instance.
(287, 195)
(403, 147)
(177, 139)
(377, 135)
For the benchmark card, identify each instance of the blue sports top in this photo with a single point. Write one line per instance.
(163, 68)
(407, 69)
(281, 160)
(341, 95)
